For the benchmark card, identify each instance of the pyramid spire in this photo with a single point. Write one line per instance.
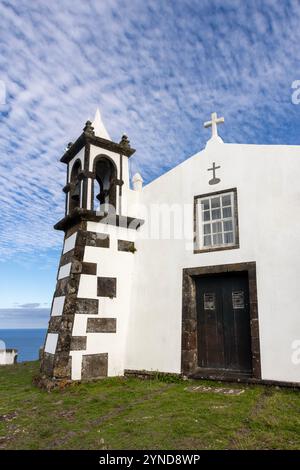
(99, 128)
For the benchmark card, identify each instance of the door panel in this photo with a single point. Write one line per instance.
(224, 340)
(210, 341)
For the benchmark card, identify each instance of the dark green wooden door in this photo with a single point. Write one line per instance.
(224, 340)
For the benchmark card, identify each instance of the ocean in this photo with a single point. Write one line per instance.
(26, 341)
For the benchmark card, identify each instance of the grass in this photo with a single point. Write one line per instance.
(119, 413)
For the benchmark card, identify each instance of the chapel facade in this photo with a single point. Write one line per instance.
(195, 273)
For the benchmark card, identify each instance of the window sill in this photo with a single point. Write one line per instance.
(217, 248)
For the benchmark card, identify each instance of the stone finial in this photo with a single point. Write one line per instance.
(137, 181)
(88, 128)
(124, 141)
(69, 145)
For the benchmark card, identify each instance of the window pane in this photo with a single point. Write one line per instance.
(226, 200)
(205, 204)
(217, 227)
(207, 240)
(206, 229)
(227, 212)
(206, 215)
(216, 214)
(215, 202)
(228, 237)
(217, 239)
(228, 226)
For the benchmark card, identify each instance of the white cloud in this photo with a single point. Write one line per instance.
(24, 317)
(157, 70)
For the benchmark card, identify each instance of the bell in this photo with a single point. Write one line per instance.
(76, 193)
(102, 196)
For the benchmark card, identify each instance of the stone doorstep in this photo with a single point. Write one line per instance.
(219, 390)
(144, 374)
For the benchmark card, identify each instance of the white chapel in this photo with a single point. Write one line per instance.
(196, 273)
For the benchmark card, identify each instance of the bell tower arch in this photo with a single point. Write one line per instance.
(75, 186)
(105, 184)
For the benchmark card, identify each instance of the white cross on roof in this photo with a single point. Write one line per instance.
(213, 124)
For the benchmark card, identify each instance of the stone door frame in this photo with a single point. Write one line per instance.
(189, 348)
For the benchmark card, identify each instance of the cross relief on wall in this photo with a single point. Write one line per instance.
(214, 179)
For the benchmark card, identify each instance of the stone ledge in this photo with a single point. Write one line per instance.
(245, 380)
(87, 138)
(78, 215)
(152, 374)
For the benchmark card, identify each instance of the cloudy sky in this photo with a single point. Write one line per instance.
(156, 69)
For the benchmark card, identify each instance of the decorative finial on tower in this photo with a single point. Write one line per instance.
(213, 124)
(69, 145)
(88, 128)
(124, 141)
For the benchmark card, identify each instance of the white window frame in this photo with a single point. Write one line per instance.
(199, 222)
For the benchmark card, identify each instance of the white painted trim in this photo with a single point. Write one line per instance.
(58, 305)
(64, 271)
(51, 343)
(76, 364)
(70, 243)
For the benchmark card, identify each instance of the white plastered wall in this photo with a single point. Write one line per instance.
(267, 181)
(110, 263)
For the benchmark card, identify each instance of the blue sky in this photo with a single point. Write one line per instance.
(156, 69)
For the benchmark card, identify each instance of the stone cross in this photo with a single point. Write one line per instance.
(213, 124)
(214, 180)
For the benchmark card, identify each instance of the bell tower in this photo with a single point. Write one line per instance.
(90, 309)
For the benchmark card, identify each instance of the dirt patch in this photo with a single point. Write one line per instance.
(67, 414)
(8, 416)
(60, 441)
(4, 440)
(120, 409)
(245, 430)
